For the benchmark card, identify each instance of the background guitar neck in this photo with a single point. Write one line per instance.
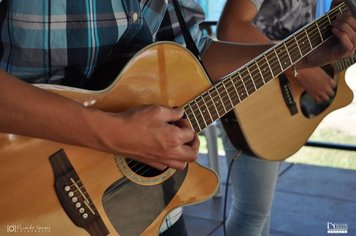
(242, 83)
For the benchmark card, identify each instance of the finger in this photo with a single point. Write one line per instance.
(330, 92)
(344, 29)
(157, 165)
(189, 152)
(171, 115)
(323, 98)
(185, 133)
(195, 143)
(178, 165)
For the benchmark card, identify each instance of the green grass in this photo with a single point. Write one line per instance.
(327, 157)
(313, 155)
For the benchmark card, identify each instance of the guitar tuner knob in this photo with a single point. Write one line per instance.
(81, 210)
(85, 215)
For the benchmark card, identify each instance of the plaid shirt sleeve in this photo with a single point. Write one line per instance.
(193, 15)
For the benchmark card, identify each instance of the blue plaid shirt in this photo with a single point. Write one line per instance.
(40, 39)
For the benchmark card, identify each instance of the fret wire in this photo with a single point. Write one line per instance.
(275, 64)
(290, 58)
(315, 38)
(284, 57)
(235, 89)
(234, 93)
(300, 51)
(311, 46)
(196, 115)
(236, 84)
(243, 82)
(343, 64)
(259, 70)
(242, 93)
(213, 102)
(216, 96)
(321, 36)
(221, 101)
(206, 111)
(201, 113)
(267, 68)
(195, 128)
(219, 108)
(270, 66)
(214, 116)
(251, 77)
(255, 75)
(228, 96)
(298, 44)
(328, 18)
(278, 59)
(207, 107)
(293, 51)
(246, 78)
(306, 42)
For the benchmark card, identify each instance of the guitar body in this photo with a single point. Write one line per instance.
(39, 179)
(264, 126)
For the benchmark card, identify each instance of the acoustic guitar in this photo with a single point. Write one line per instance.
(68, 190)
(265, 126)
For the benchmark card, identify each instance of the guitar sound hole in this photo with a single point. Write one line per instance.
(310, 107)
(143, 169)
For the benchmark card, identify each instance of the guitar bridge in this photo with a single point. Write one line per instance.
(73, 196)
(287, 94)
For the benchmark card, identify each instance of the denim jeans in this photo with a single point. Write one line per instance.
(253, 184)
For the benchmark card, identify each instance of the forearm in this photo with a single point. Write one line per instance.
(243, 32)
(30, 111)
(221, 58)
(145, 134)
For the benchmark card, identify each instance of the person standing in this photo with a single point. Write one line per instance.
(253, 180)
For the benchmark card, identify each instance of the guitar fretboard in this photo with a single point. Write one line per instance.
(239, 85)
(343, 64)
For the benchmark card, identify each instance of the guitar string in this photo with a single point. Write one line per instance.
(282, 59)
(239, 87)
(311, 36)
(105, 165)
(247, 86)
(343, 64)
(88, 180)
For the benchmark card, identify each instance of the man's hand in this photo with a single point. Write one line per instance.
(154, 135)
(342, 45)
(317, 83)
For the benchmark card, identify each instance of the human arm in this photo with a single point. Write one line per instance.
(236, 24)
(142, 134)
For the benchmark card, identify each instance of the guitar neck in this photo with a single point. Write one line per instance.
(343, 64)
(242, 83)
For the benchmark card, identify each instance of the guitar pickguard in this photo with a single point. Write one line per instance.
(144, 204)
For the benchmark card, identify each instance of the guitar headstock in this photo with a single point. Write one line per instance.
(352, 6)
